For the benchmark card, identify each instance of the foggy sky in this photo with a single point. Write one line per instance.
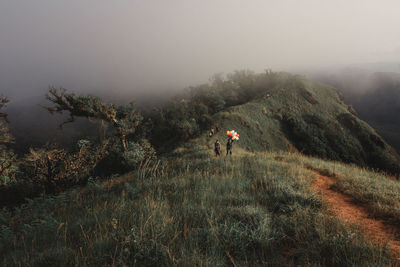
(128, 46)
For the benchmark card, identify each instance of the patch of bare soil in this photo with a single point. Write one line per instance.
(345, 208)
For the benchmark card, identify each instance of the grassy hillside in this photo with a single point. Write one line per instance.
(254, 208)
(309, 117)
(257, 207)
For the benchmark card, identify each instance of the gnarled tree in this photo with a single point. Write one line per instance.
(124, 119)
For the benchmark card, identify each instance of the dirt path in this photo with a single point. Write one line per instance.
(350, 212)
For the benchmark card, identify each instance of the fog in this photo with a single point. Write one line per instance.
(126, 47)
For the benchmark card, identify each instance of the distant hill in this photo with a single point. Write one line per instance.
(312, 118)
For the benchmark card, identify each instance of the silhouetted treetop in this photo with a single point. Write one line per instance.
(3, 101)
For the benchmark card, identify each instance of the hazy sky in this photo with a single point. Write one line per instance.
(127, 45)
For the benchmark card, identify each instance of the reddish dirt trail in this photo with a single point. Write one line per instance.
(343, 206)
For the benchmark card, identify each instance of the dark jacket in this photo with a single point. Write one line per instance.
(217, 146)
(229, 144)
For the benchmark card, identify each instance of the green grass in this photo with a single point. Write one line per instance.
(191, 209)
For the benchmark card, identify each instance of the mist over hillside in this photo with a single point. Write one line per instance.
(140, 46)
(148, 51)
(114, 125)
(27, 115)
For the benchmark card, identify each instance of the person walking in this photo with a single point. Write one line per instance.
(211, 133)
(229, 147)
(217, 148)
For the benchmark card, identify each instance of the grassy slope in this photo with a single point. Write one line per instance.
(193, 209)
(311, 118)
(255, 208)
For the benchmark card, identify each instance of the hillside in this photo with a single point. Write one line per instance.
(254, 208)
(373, 93)
(312, 118)
(272, 111)
(270, 203)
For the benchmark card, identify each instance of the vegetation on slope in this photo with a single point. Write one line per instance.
(120, 147)
(311, 118)
(8, 168)
(379, 193)
(190, 209)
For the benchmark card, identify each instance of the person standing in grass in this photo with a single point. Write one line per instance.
(217, 148)
(229, 146)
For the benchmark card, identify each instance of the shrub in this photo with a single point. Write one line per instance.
(57, 169)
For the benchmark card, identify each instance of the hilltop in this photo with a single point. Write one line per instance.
(312, 118)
